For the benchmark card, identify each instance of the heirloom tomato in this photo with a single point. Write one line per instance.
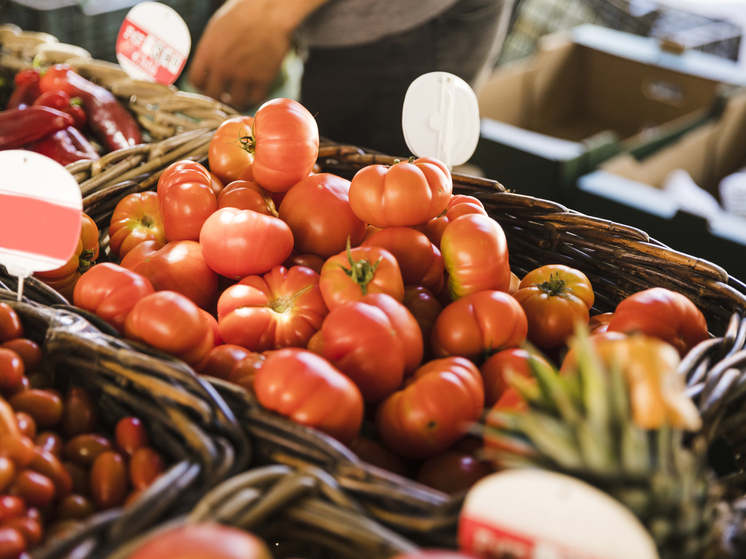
(221, 359)
(225, 154)
(403, 194)
(425, 308)
(284, 308)
(285, 144)
(110, 292)
(375, 341)
(458, 205)
(317, 209)
(136, 218)
(358, 271)
(239, 243)
(247, 195)
(186, 199)
(309, 390)
(434, 410)
(475, 255)
(663, 314)
(478, 325)
(179, 266)
(419, 260)
(555, 298)
(516, 360)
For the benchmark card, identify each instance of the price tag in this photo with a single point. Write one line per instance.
(537, 514)
(153, 43)
(40, 206)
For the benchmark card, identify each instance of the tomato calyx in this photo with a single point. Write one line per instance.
(555, 287)
(282, 304)
(247, 143)
(360, 271)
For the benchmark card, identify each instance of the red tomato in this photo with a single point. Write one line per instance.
(220, 361)
(663, 314)
(110, 291)
(475, 255)
(205, 540)
(28, 350)
(599, 323)
(226, 154)
(180, 266)
(403, 194)
(458, 205)
(108, 480)
(144, 468)
(240, 243)
(212, 323)
(186, 199)
(285, 144)
(130, 434)
(136, 219)
(555, 298)
(349, 275)
(375, 341)
(247, 195)
(479, 325)
(282, 309)
(10, 323)
(452, 471)
(216, 183)
(12, 369)
(172, 323)
(425, 308)
(308, 260)
(434, 410)
(245, 370)
(311, 391)
(419, 260)
(317, 209)
(493, 370)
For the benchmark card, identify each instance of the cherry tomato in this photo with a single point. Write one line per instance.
(11, 369)
(108, 480)
(26, 424)
(79, 414)
(130, 435)
(44, 406)
(136, 218)
(7, 473)
(35, 489)
(245, 370)
(48, 464)
(225, 154)
(452, 471)
(144, 468)
(10, 323)
(84, 449)
(12, 543)
(74, 506)
(28, 350)
(51, 441)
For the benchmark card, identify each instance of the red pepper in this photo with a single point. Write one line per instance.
(26, 88)
(62, 102)
(21, 126)
(64, 147)
(109, 120)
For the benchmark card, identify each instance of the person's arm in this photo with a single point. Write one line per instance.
(243, 46)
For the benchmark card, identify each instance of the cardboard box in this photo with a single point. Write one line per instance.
(588, 95)
(629, 191)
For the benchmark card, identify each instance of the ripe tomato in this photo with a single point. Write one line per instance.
(172, 323)
(180, 266)
(301, 385)
(136, 218)
(285, 144)
(284, 308)
(225, 155)
(420, 260)
(12, 369)
(663, 314)
(452, 471)
(317, 209)
(239, 243)
(475, 255)
(10, 323)
(356, 272)
(434, 410)
(375, 341)
(221, 360)
(479, 325)
(308, 260)
(186, 199)
(212, 540)
(555, 298)
(247, 195)
(493, 370)
(458, 205)
(404, 194)
(425, 308)
(110, 291)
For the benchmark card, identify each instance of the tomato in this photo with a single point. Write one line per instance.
(434, 410)
(555, 298)
(180, 266)
(214, 328)
(12, 543)
(308, 260)
(375, 341)
(516, 360)
(419, 260)
(144, 468)
(43, 405)
(225, 154)
(108, 480)
(130, 434)
(349, 275)
(458, 205)
(10, 323)
(284, 308)
(35, 489)
(7, 472)
(205, 540)
(244, 371)
(220, 361)
(185, 199)
(403, 194)
(79, 414)
(285, 143)
(84, 449)
(136, 218)
(12, 369)
(28, 350)
(172, 323)
(247, 195)
(240, 243)
(602, 344)
(375, 453)
(318, 211)
(599, 323)
(452, 471)
(110, 291)
(478, 325)
(425, 308)
(663, 314)
(302, 386)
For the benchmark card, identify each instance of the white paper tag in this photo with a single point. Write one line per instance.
(153, 43)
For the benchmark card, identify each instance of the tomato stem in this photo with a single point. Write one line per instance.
(282, 304)
(246, 142)
(555, 287)
(360, 271)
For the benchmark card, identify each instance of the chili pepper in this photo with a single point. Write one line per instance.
(62, 102)
(26, 88)
(22, 126)
(63, 147)
(109, 120)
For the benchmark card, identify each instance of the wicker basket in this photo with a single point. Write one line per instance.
(188, 422)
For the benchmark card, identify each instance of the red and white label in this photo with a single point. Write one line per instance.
(153, 43)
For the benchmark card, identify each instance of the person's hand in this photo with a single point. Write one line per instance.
(241, 51)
